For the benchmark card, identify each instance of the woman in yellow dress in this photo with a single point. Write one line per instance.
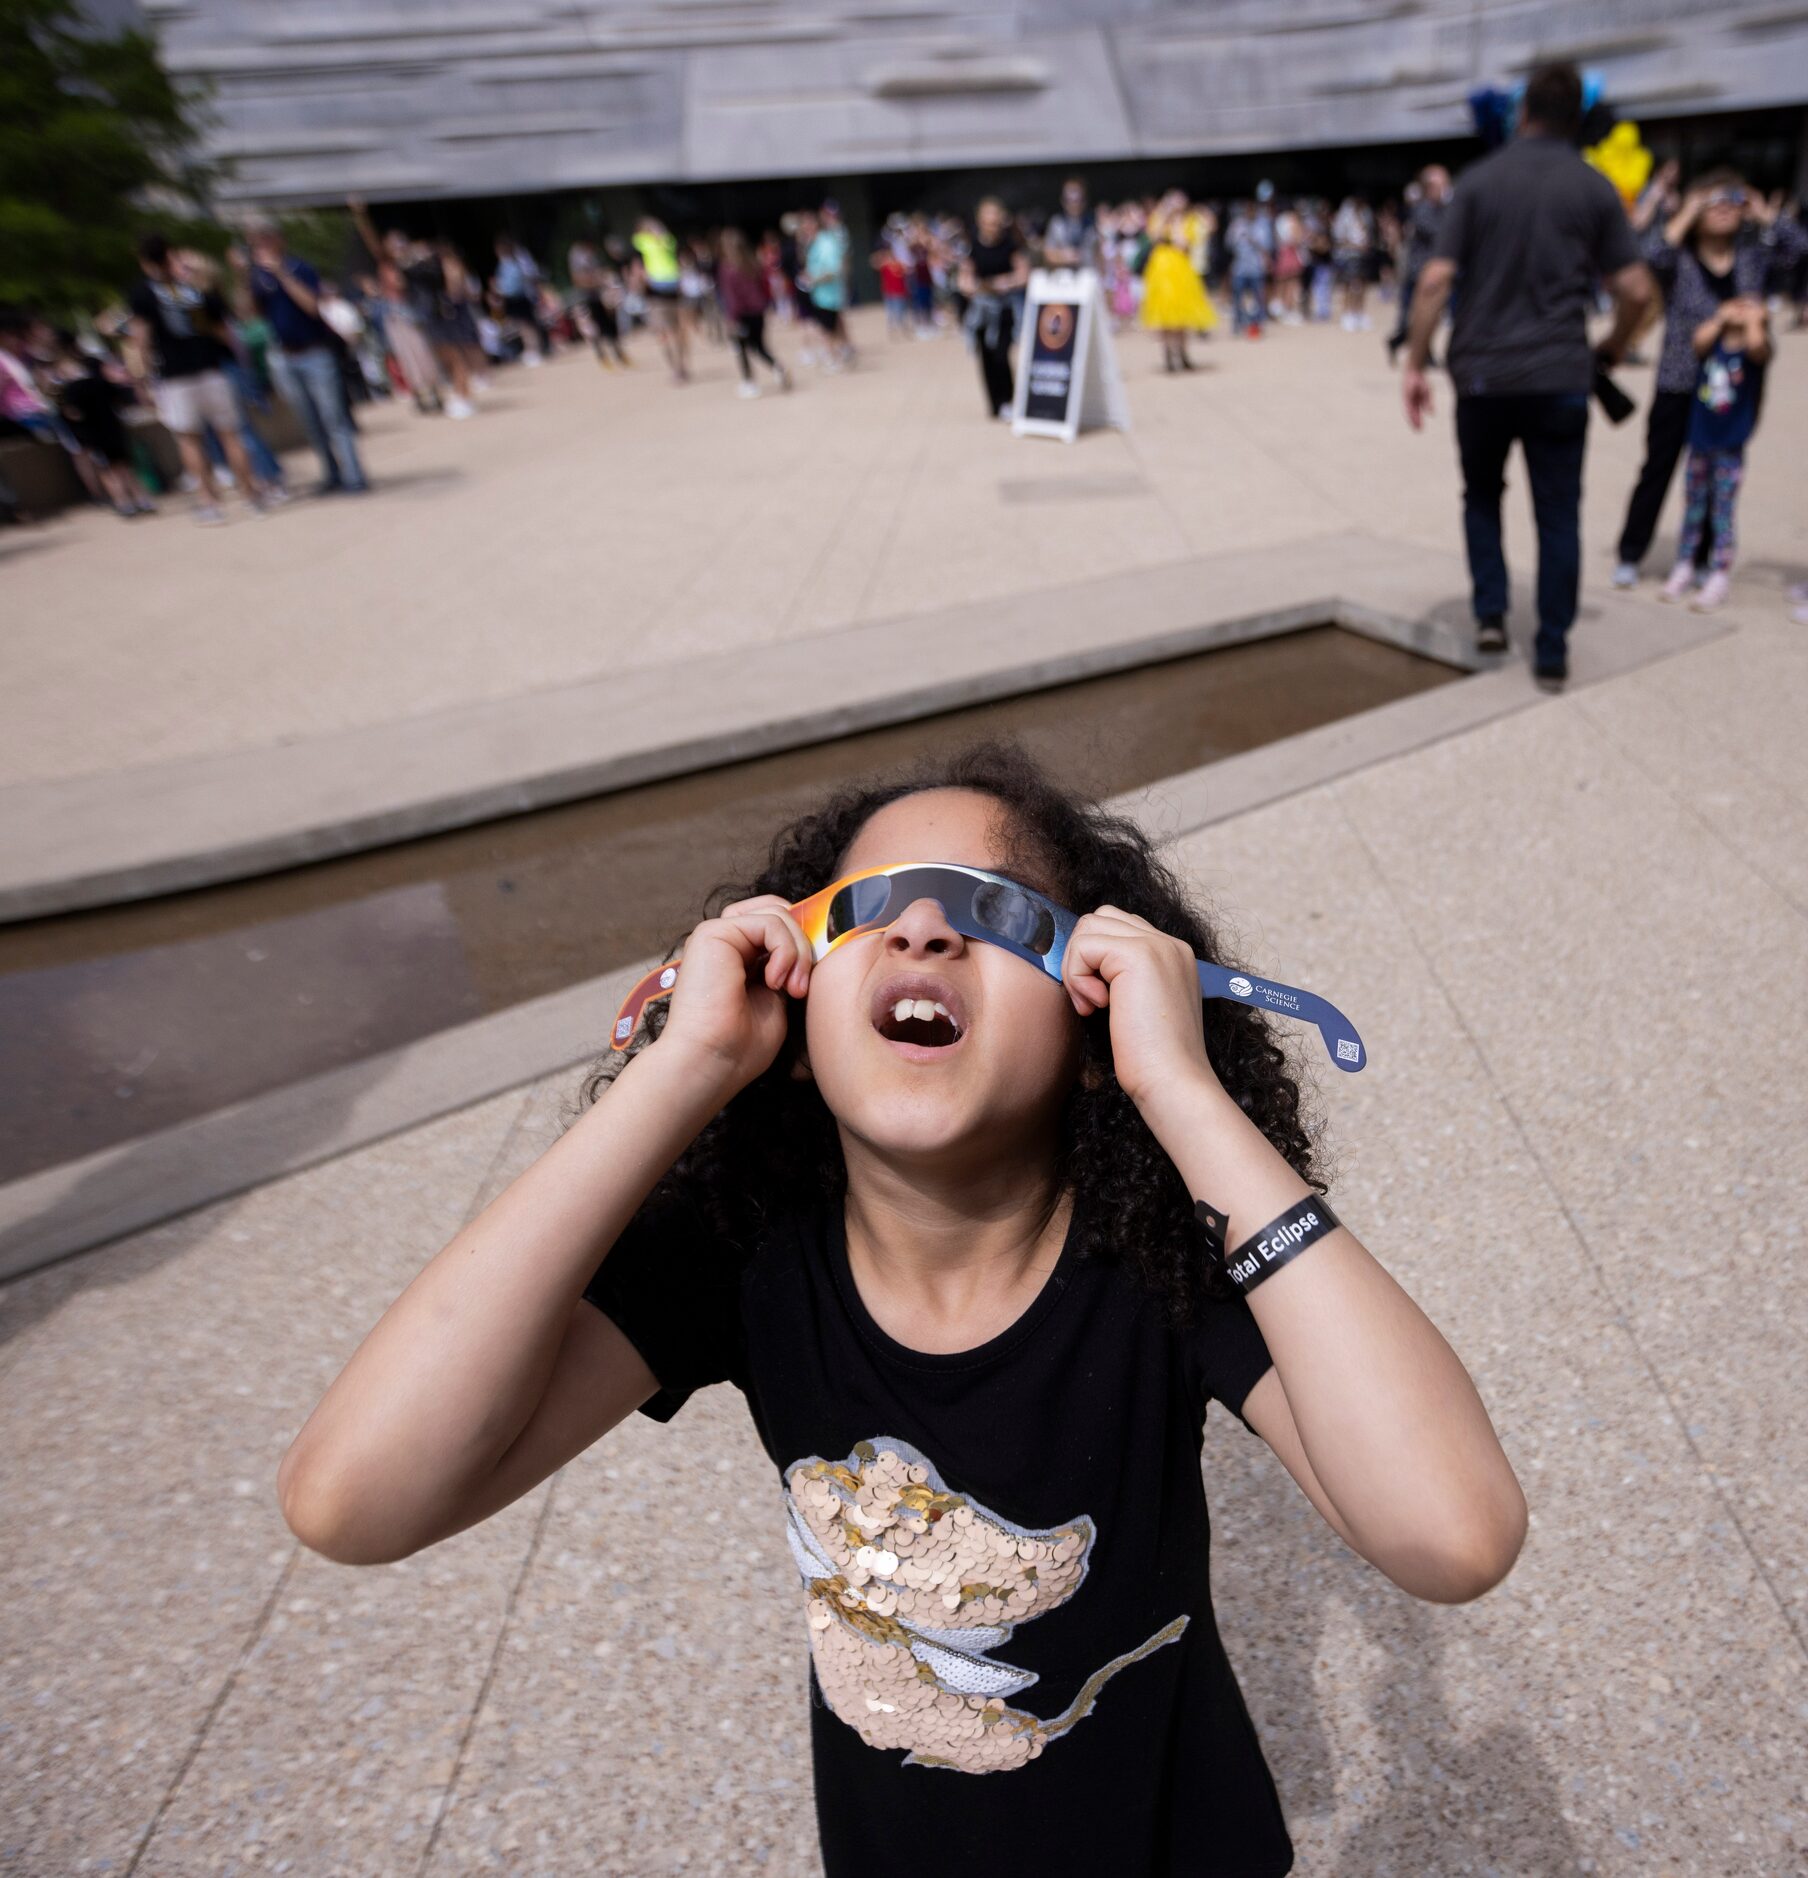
(1175, 302)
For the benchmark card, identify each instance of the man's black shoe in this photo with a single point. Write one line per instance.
(1491, 634)
(1550, 677)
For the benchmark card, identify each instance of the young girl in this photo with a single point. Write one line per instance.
(746, 300)
(1120, 284)
(894, 290)
(954, 1228)
(1175, 302)
(1733, 345)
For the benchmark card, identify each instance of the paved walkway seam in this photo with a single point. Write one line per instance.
(1620, 1318)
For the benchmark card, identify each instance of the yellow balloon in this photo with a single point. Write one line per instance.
(1622, 158)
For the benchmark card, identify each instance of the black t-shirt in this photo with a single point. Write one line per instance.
(1002, 1553)
(992, 258)
(1531, 229)
(90, 404)
(185, 324)
(428, 298)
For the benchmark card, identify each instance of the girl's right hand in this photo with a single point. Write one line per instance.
(731, 1000)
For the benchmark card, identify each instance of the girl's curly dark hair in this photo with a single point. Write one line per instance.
(776, 1138)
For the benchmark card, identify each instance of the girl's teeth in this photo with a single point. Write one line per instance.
(922, 1009)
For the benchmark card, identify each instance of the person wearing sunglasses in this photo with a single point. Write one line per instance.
(982, 1201)
(994, 910)
(1724, 243)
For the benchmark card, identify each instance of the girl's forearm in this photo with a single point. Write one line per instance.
(453, 1370)
(1389, 1419)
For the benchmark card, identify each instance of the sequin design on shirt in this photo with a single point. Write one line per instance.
(911, 1588)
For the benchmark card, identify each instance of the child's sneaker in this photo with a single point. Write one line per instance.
(1680, 584)
(1712, 593)
(1626, 574)
(747, 389)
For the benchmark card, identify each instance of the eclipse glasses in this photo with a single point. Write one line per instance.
(1001, 912)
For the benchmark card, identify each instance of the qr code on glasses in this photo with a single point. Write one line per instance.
(1347, 1052)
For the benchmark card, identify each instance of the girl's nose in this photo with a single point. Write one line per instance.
(923, 927)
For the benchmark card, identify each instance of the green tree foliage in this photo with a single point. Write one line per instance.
(97, 144)
(326, 239)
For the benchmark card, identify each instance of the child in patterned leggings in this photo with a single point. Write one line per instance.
(1733, 346)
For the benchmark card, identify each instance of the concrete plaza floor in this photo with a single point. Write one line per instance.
(1575, 937)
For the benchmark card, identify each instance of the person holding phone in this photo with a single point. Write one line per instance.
(304, 361)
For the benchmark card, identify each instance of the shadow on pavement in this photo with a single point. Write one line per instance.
(1423, 1789)
(294, 1141)
(416, 480)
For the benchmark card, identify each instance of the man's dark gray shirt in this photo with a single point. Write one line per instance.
(1531, 229)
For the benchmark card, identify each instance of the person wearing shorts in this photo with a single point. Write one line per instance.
(657, 248)
(182, 329)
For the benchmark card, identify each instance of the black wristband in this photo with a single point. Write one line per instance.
(1280, 1241)
(1212, 1221)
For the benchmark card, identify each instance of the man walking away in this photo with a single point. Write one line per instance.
(305, 358)
(1528, 233)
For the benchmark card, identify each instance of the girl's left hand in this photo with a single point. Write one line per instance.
(1149, 982)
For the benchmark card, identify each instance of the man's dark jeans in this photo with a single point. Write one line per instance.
(1552, 429)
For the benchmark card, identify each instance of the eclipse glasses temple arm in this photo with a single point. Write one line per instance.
(656, 984)
(1341, 1040)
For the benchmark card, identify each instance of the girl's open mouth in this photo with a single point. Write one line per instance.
(921, 1021)
(922, 1016)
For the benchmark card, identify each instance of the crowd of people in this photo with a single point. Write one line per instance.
(204, 347)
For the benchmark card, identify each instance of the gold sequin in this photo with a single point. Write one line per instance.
(910, 1556)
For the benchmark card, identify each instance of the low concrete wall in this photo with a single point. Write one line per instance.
(44, 480)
